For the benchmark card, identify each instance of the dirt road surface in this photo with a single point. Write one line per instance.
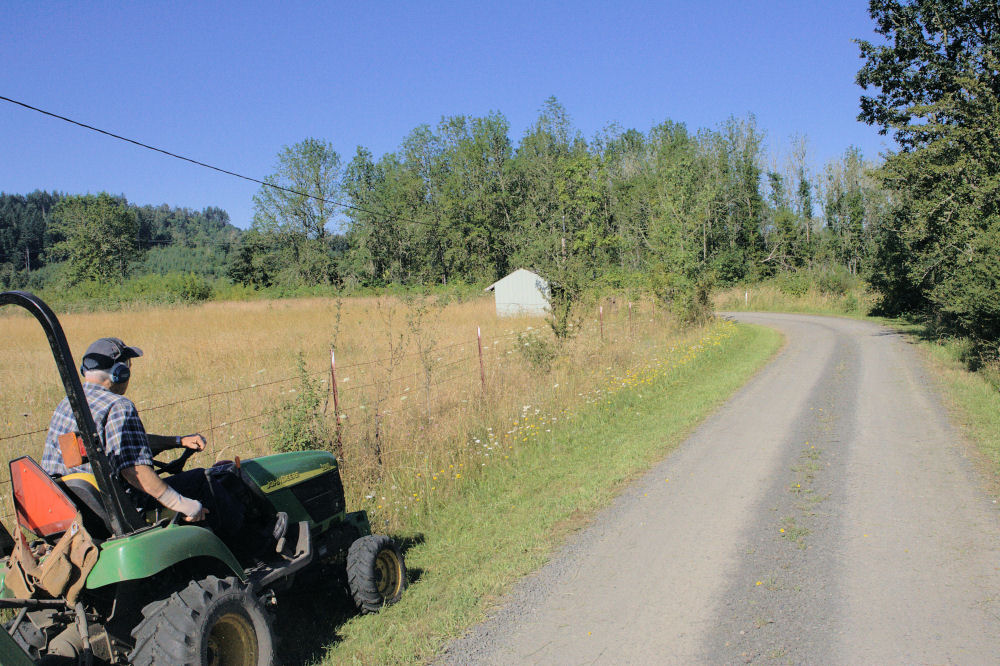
(827, 514)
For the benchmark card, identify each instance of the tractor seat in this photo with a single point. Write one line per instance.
(82, 488)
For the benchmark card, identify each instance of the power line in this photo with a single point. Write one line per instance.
(209, 166)
(157, 242)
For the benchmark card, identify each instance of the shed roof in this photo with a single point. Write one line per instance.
(506, 277)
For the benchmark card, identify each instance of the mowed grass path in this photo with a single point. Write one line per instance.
(506, 521)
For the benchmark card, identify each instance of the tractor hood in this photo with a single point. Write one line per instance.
(304, 484)
(284, 470)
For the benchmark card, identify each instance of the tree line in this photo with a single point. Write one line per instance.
(668, 209)
(52, 238)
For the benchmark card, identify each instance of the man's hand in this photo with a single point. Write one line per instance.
(198, 517)
(196, 441)
(192, 509)
(145, 479)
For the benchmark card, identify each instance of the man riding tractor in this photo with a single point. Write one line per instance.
(199, 496)
(97, 574)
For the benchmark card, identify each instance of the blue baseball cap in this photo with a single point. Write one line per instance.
(105, 352)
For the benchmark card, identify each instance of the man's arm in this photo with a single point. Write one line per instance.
(145, 479)
(128, 446)
(160, 443)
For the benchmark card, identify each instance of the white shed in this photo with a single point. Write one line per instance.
(521, 293)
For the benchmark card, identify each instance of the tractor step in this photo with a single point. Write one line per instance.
(265, 574)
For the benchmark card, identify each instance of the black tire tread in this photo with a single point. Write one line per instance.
(166, 634)
(361, 576)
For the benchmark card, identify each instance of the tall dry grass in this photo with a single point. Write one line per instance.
(769, 297)
(415, 415)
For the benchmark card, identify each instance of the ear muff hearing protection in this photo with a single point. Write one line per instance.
(120, 372)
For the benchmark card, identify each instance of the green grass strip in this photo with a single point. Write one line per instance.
(973, 401)
(506, 522)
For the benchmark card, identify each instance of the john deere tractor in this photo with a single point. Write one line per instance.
(92, 580)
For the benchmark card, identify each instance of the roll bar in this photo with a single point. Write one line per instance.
(124, 518)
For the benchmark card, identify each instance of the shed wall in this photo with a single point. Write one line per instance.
(520, 293)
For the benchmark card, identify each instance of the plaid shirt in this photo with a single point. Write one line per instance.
(118, 426)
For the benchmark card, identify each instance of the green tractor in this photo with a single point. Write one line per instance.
(92, 580)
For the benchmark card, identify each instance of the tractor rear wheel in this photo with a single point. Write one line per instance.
(214, 621)
(376, 572)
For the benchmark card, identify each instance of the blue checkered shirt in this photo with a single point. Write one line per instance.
(118, 426)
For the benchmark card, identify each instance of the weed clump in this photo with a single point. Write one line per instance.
(693, 304)
(793, 284)
(299, 425)
(537, 351)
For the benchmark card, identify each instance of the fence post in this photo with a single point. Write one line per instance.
(378, 440)
(600, 312)
(211, 424)
(482, 367)
(630, 319)
(336, 403)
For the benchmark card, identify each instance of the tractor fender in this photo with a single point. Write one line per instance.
(11, 653)
(143, 554)
(359, 519)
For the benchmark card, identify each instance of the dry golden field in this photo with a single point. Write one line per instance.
(415, 414)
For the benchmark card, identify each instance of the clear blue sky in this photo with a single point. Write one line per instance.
(231, 83)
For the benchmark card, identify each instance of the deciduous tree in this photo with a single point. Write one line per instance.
(98, 237)
(307, 180)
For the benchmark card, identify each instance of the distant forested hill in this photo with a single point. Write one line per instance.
(173, 239)
(181, 239)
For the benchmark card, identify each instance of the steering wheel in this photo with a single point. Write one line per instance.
(174, 466)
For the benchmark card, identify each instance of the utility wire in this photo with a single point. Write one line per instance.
(151, 243)
(209, 166)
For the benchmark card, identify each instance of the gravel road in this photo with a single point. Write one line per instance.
(826, 514)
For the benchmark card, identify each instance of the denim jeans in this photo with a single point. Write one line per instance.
(225, 513)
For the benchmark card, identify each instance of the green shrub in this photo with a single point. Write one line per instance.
(537, 351)
(187, 287)
(10, 277)
(692, 305)
(793, 283)
(835, 280)
(666, 285)
(299, 424)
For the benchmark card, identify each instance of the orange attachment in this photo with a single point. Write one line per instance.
(73, 452)
(41, 506)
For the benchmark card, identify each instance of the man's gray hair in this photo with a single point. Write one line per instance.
(98, 376)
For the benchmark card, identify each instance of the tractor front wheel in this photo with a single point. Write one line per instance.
(375, 572)
(214, 621)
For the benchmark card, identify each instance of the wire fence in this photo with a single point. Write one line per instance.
(362, 403)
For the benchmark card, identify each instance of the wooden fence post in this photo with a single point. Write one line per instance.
(600, 312)
(378, 440)
(630, 319)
